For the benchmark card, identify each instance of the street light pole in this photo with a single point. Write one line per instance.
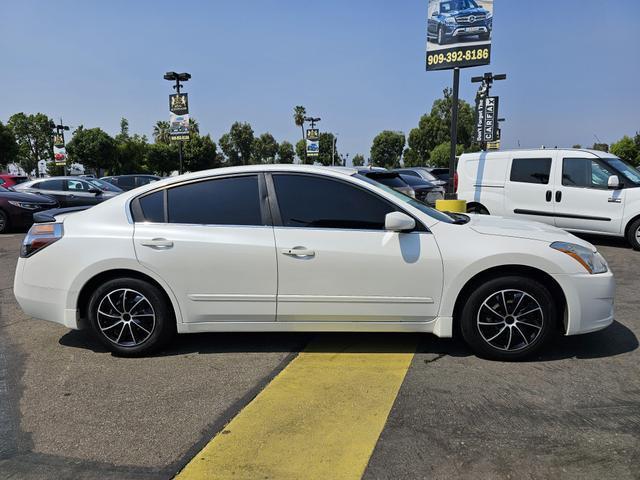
(333, 149)
(178, 77)
(451, 194)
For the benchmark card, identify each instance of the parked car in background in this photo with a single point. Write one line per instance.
(17, 209)
(575, 189)
(425, 191)
(421, 172)
(388, 178)
(129, 182)
(72, 191)
(350, 255)
(459, 19)
(8, 180)
(439, 172)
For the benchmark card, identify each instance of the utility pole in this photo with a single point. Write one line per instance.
(451, 194)
(333, 149)
(178, 77)
(484, 91)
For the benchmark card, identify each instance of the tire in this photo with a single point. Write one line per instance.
(149, 328)
(479, 209)
(4, 222)
(633, 234)
(514, 337)
(441, 40)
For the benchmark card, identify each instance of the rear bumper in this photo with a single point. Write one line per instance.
(590, 301)
(43, 303)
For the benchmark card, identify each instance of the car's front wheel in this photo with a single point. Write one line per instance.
(508, 318)
(131, 317)
(633, 234)
(441, 38)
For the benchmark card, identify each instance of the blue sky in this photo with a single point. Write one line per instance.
(573, 66)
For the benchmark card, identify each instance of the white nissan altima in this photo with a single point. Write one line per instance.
(301, 248)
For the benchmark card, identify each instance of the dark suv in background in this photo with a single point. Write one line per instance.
(129, 182)
(457, 19)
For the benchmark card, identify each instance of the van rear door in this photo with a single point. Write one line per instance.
(528, 189)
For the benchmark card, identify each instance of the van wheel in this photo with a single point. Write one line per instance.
(131, 317)
(4, 222)
(509, 318)
(633, 234)
(478, 209)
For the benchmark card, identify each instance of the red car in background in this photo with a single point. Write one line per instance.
(8, 180)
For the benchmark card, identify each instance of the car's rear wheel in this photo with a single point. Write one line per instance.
(131, 317)
(478, 209)
(633, 234)
(441, 39)
(509, 318)
(4, 221)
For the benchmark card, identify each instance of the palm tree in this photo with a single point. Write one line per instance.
(299, 114)
(161, 132)
(194, 126)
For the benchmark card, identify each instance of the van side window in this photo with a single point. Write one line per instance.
(584, 173)
(531, 170)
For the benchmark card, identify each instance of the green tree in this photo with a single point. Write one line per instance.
(161, 132)
(411, 158)
(358, 160)
(299, 114)
(387, 149)
(626, 149)
(301, 151)
(603, 147)
(33, 136)
(286, 153)
(194, 126)
(435, 128)
(440, 155)
(131, 151)
(577, 145)
(328, 149)
(8, 146)
(94, 149)
(200, 153)
(237, 145)
(162, 158)
(265, 149)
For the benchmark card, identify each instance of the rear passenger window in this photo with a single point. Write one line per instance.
(51, 185)
(531, 170)
(152, 206)
(224, 201)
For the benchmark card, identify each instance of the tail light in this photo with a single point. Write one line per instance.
(41, 235)
(455, 182)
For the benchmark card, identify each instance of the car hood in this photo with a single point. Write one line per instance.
(27, 197)
(508, 227)
(464, 13)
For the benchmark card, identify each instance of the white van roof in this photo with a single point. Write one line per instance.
(501, 153)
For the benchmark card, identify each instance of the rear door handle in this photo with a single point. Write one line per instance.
(158, 244)
(549, 195)
(558, 196)
(298, 252)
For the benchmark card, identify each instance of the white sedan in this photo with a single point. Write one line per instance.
(299, 248)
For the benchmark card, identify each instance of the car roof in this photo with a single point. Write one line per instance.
(597, 153)
(132, 175)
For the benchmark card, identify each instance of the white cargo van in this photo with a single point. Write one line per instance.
(578, 190)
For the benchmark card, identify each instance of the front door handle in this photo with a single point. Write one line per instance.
(549, 195)
(298, 252)
(158, 244)
(558, 196)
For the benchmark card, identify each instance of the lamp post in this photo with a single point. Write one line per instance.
(484, 91)
(178, 77)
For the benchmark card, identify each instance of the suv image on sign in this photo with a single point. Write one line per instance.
(455, 19)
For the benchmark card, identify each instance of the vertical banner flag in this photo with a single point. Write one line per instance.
(313, 142)
(59, 150)
(179, 117)
(487, 120)
(459, 33)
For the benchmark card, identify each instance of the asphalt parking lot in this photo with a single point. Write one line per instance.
(69, 409)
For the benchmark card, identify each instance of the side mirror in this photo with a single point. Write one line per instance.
(614, 182)
(398, 222)
(97, 191)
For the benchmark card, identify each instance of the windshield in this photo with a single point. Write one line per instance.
(432, 212)
(416, 181)
(457, 5)
(3, 189)
(106, 186)
(625, 169)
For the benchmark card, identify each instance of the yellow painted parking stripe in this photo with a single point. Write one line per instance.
(320, 418)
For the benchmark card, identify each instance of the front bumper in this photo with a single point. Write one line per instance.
(590, 300)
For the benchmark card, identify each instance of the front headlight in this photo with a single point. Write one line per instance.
(25, 205)
(450, 20)
(592, 261)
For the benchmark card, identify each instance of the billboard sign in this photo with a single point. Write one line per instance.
(487, 120)
(459, 33)
(179, 127)
(179, 103)
(313, 142)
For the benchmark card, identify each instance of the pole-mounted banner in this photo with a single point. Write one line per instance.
(179, 103)
(313, 142)
(459, 33)
(487, 120)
